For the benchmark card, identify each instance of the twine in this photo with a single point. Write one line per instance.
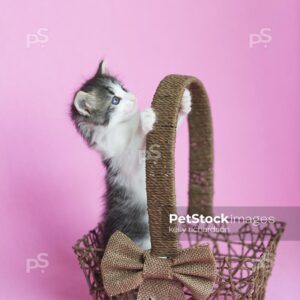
(160, 175)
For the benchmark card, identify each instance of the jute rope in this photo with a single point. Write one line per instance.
(160, 174)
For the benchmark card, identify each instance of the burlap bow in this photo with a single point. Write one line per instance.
(126, 267)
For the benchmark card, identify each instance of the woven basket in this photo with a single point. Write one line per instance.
(244, 258)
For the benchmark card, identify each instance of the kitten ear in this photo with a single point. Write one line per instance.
(102, 68)
(84, 103)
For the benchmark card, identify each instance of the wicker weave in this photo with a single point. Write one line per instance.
(244, 258)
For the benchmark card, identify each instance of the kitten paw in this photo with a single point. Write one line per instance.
(148, 119)
(186, 102)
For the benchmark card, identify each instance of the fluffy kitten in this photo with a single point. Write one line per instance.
(106, 115)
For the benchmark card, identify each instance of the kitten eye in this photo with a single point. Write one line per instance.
(115, 100)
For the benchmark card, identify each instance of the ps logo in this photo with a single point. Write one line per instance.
(263, 37)
(152, 154)
(40, 38)
(40, 262)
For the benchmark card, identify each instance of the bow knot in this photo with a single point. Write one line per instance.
(157, 267)
(125, 267)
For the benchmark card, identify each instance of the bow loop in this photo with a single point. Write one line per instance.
(125, 267)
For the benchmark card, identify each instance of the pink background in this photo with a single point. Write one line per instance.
(51, 183)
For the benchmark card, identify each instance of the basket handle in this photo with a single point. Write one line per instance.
(160, 174)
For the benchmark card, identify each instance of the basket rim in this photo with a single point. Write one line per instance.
(279, 226)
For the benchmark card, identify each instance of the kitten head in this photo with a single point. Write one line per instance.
(103, 100)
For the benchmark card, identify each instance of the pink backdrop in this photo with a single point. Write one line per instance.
(51, 183)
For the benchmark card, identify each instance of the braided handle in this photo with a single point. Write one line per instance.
(160, 174)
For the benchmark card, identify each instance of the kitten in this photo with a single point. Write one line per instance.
(105, 114)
